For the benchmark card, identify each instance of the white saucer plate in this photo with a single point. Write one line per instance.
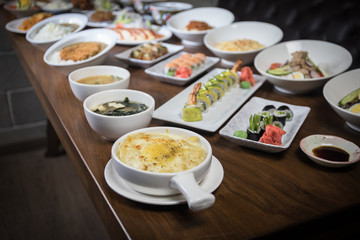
(210, 183)
(13, 26)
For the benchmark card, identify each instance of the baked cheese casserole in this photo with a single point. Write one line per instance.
(163, 153)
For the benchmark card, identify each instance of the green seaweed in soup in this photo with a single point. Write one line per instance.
(120, 108)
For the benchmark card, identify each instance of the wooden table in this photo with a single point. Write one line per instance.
(262, 194)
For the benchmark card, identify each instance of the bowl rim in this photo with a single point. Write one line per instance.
(213, 31)
(149, 109)
(264, 73)
(157, 174)
(39, 25)
(185, 5)
(357, 149)
(65, 40)
(95, 67)
(326, 87)
(174, 29)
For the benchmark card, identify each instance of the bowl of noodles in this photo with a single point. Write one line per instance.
(242, 40)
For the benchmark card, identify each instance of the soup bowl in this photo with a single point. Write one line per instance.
(166, 183)
(113, 127)
(83, 90)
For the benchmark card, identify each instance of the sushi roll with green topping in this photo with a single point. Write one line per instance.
(254, 129)
(280, 116)
(289, 113)
(269, 108)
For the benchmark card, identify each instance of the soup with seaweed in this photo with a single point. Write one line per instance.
(120, 108)
(99, 79)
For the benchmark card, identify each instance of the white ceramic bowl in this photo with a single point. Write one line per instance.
(108, 37)
(163, 184)
(162, 11)
(68, 18)
(82, 91)
(265, 33)
(337, 88)
(213, 16)
(332, 59)
(313, 141)
(113, 127)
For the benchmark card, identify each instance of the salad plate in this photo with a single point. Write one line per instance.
(157, 71)
(241, 121)
(217, 114)
(125, 56)
(13, 26)
(210, 183)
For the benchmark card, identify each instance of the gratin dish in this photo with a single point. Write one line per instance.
(113, 127)
(82, 91)
(337, 88)
(165, 184)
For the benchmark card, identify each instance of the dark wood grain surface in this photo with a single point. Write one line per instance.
(261, 193)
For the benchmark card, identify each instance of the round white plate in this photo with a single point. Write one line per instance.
(210, 183)
(13, 26)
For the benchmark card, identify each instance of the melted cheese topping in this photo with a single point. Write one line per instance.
(163, 153)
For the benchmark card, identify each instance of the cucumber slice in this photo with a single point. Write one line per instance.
(350, 97)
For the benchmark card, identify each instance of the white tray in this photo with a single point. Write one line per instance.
(125, 55)
(241, 121)
(217, 114)
(157, 71)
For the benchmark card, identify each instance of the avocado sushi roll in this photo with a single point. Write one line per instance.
(254, 130)
(280, 116)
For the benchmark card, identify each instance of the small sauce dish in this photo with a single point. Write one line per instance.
(330, 146)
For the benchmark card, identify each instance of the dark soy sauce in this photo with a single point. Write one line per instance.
(331, 153)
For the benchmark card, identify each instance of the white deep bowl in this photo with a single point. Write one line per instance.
(113, 127)
(162, 11)
(164, 184)
(68, 18)
(337, 88)
(82, 91)
(265, 33)
(313, 141)
(105, 36)
(332, 59)
(213, 16)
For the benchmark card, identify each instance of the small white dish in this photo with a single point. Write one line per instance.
(163, 30)
(331, 58)
(82, 91)
(157, 71)
(215, 17)
(13, 26)
(105, 36)
(209, 184)
(241, 121)
(336, 89)
(67, 18)
(125, 56)
(307, 145)
(56, 7)
(217, 114)
(103, 24)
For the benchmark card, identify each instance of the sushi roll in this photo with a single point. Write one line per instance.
(203, 102)
(232, 75)
(216, 89)
(210, 95)
(289, 113)
(254, 130)
(278, 124)
(228, 81)
(266, 114)
(269, 108)
(214, 81)
(280, 116)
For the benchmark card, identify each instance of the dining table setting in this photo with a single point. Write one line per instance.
(201, 127)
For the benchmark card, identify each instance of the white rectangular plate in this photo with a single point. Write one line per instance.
(217, 114)
(157, 71)
(125, 55)
(241, 121)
